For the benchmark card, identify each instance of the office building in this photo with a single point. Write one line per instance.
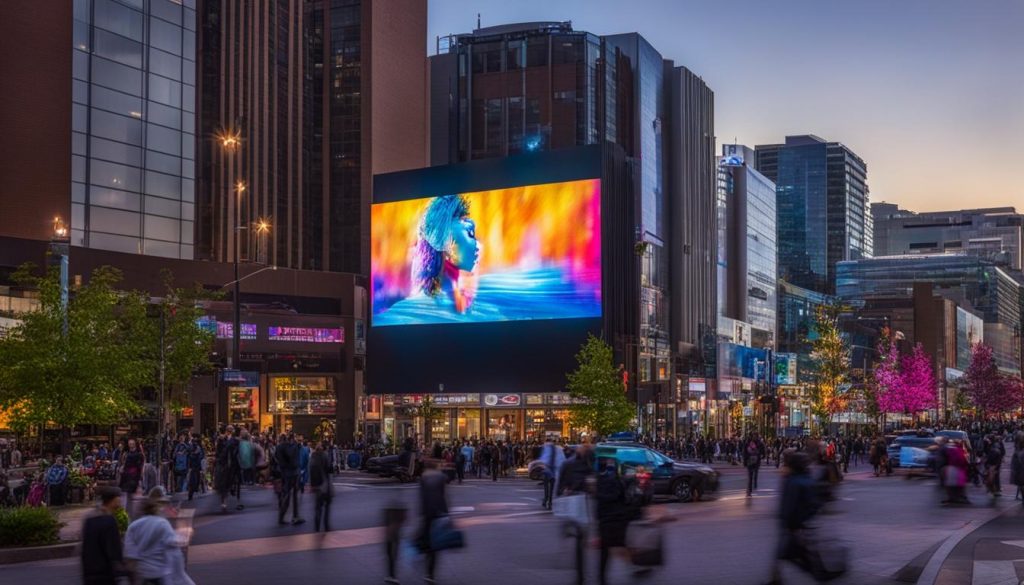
(746, 245)
(977, 285)
(822, 205)
(515, 89)
(322, 95)
(996, 233)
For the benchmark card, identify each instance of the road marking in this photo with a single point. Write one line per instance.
(931, 570)
(994, 573)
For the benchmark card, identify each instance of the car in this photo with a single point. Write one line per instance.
(683, 481)
(390, 466)
(922, 457)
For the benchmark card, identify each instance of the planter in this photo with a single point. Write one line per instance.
(26, 554)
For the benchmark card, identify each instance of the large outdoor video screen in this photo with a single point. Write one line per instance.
(514, 254)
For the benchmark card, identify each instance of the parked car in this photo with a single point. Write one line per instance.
(683, 481)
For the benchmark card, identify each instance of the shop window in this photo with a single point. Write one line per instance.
(302, 395)
(243, 405)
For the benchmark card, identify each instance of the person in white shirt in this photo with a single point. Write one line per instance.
(154, 546)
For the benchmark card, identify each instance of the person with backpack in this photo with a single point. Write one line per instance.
(246, 461)
(179, 460)
(753, 452)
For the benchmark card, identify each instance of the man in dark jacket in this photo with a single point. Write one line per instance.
(287, 458)
(102, 560)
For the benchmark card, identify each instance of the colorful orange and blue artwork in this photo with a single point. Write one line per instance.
(519, 253)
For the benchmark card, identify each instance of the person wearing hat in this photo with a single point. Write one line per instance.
(152, 543)
(102, 561)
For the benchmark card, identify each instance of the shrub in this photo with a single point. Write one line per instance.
(25, 526)
(121, 515)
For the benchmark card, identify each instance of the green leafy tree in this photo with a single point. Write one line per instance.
(87, 374)
(187, 346)
(604, 408)
(830, 353)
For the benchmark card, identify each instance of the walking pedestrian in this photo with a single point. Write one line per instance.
(574, 480)
(152, 543)
(196, 459)
(394, 517)
(752, 454)
(460, 463)
(553, 457)
(323, 489)
(799, 504)
(132, 461)
(102, 558)
(246, 459)
(287, 457)
(224, 466)
(612, 514)
(433, 506)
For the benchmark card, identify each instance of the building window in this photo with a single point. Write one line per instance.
(302, 395)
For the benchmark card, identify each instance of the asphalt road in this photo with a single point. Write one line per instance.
(893, 527)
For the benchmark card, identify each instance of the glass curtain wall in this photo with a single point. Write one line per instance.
(133, 126)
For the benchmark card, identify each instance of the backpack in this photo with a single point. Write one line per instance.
(180, 459)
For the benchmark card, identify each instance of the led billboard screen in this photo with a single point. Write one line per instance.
(522, 253)
(487, 276)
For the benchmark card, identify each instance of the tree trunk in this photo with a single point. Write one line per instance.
(65, 441)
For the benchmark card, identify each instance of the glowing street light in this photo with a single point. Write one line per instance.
(230, 139)
(60, 230)
(240, 186)
(262, 226)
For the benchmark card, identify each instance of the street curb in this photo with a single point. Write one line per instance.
(931, 570)
(28, 554)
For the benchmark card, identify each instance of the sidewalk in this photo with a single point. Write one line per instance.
(992, 554)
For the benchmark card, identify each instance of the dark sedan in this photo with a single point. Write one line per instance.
(683, 481)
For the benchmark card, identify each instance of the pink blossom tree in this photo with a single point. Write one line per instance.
(990, 391)
(905, 384)
(918, 389)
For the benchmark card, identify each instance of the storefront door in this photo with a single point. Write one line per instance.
(504, 425)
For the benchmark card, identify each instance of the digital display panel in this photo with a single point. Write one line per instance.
(523, 253)
(306, 334)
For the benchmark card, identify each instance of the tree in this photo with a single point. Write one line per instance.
(86, 374)
(830, 353)
(597, 384)
(187, 345)
(991, 392)
(917, 389)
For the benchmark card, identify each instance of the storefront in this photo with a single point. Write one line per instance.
(300, 402)
(504, 417)
(243, 390)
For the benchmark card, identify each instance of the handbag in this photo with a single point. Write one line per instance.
(444, 535)
(644, 541)
(572, 508)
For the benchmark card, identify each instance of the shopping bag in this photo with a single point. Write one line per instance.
(572, 508)
(444, 536)
(825, 558)
(644, 540)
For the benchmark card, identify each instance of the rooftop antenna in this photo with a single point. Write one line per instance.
(478, 20)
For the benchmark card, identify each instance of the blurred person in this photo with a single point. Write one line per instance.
(179, 462)
(224, 463)
(752, 454)
(246, 459)
(323, 489)
(132, 461)
(460, 462)
(799, 503)
(394, 517)
(304, 454)
(433, 505)
(154, 546)
(102, 558)
(953, 473)
(612, 513)
(576, 477)
(196, 460)
(1017, 466)
(553, 457)
(286, 455)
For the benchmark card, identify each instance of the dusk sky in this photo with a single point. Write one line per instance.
(930, 93)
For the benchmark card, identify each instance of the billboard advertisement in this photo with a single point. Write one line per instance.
(487, 276)
(531, 252)
(785, 368)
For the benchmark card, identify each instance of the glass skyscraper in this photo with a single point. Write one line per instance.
(747, 265)
(822, 205)
(133, 121)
